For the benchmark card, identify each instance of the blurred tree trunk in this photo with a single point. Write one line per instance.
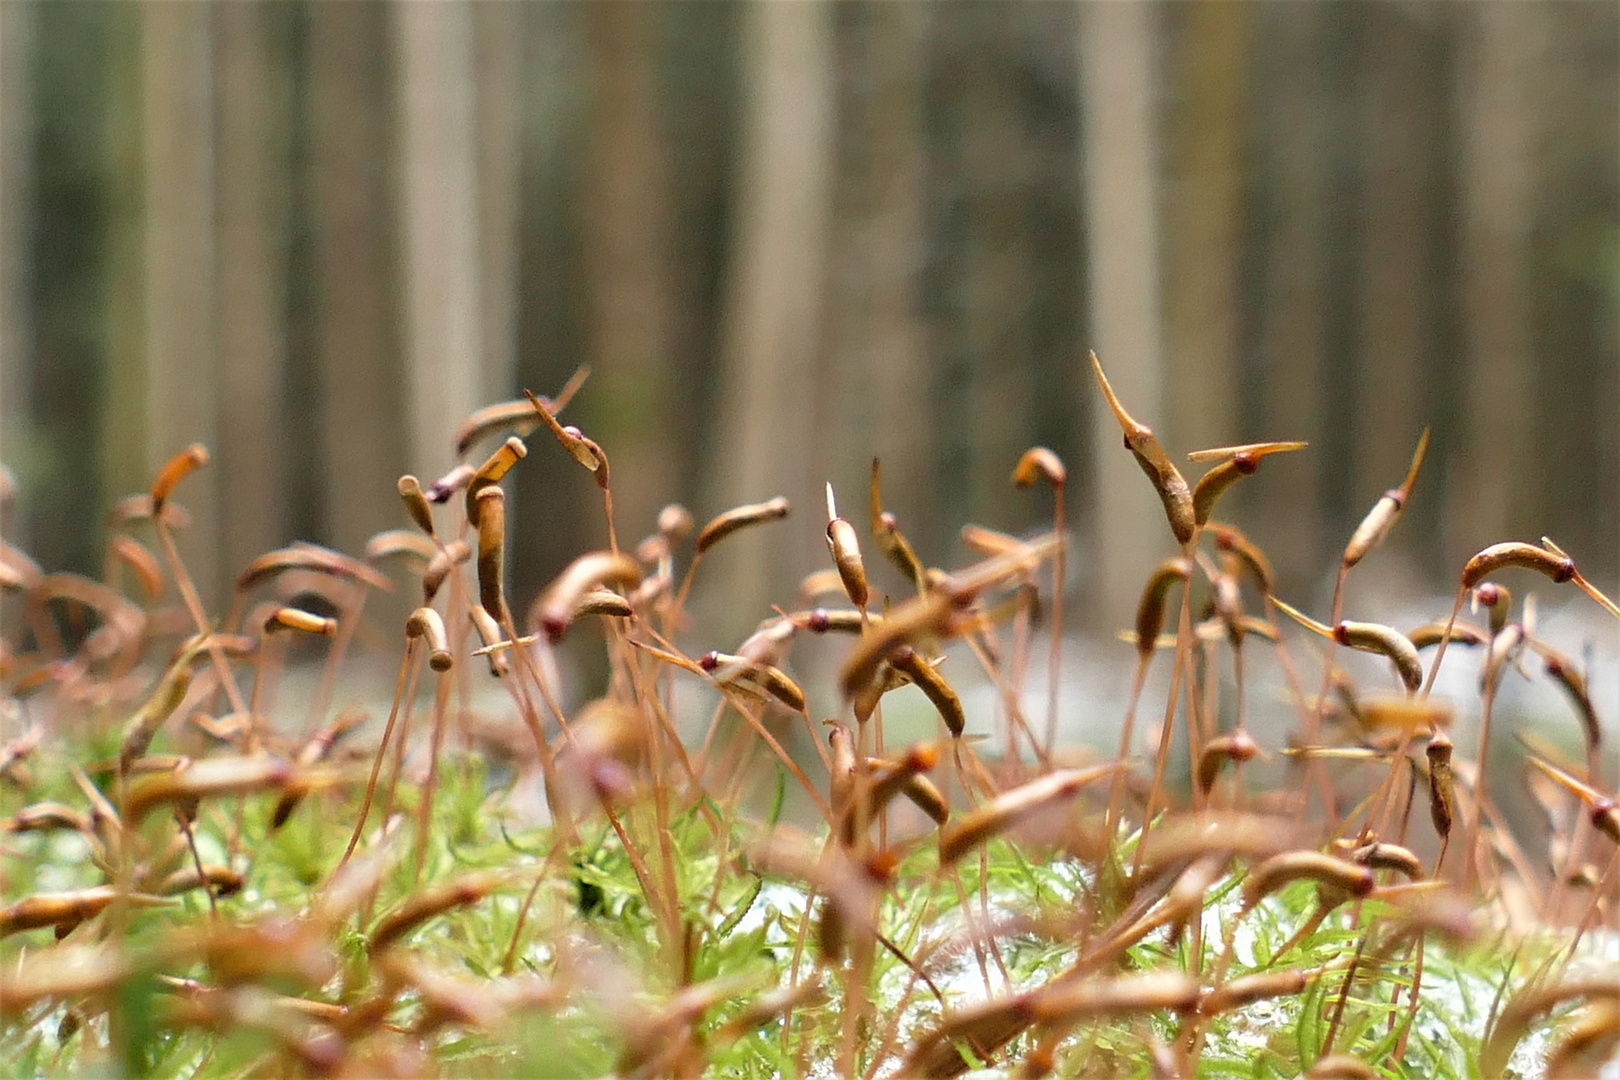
(1202, 203)
(182, 362)
(1577, 287)
(362, 446)
(1504, 64)
(253, 141)
(1288, 290)
(497, 47)
(878, 386)
(1117, 68)
(627, 212)
(772, 316)
(16, 236)
(1401, 162)
(438, 223)
(551, 320)
(987, 402)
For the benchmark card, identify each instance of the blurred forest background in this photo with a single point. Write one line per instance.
(789, 236)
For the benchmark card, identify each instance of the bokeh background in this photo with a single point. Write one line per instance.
(790, 236)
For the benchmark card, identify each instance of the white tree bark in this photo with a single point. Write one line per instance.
(438, 221)
(1117, 67)
(771, 338)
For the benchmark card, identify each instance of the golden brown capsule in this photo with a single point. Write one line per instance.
(448, 558)
(740, 517)
(1240, 461)
(1385, 856)
(494, 641)
(313, 558)
(1144, 446)
(1279, 870)
(581, 449)
(562, 598)
(1382, 517)
(1563, 671)
(175, 470)
(1229, 539)
(605, 602)
(392, 543)
(66, 908)
(288, 618)
(425, 623)
(1341, 1067)
(841, 621)
(206, 778)
(926, 676)
(925, 615)
(45, 816)
(312, 753)
(1441, 795)
(496, 466)
(1429, 634)
(1006, 810)
(841, 781)
(220, 880)
(165, 698)
(1236, 747)
(1125, 995)
(674, 523)
(1251, 988)
(1514, 553)
(134, 554)
(1150, 609)
(1585, 1035)
(1514, 1021)
(888, 537)
(845, 549)
(1039, 463)
(1497, 600)
(1377, 638)
(770, 679)
(429, 903)
(440, 490)
(416, 502)
(491, 551)
(518, 415)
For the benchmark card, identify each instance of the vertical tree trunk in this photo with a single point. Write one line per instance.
(1202, 205)
(877, 388)
(16, 234)
(182, 343)
(1505, 53)
(627, 256)
(363, 434)
(438, 221)
(1290, 317)
(772, 344)
(1117, 66)
(252, 347)
(496, 50)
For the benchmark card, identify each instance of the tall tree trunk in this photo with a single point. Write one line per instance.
(1506, 50)
(363, 439)
(182, 343)
(1117, 65)
(1202, 203)
(627, 256)
(1289, 312)
(16, 236)
(772, 344)
(497, 49)
(1398, 335)
(438, 222)
(252, 275)
(877, 388)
